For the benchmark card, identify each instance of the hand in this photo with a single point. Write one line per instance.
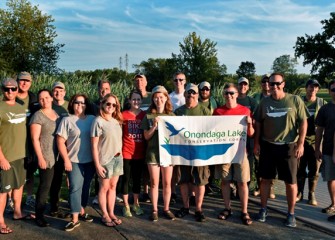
(101, 171)
(67, 165)
(42, 164)
(318, 154)
(249, 120)
(299, 150)
(156, 120)
(4, 165)
(257, 149)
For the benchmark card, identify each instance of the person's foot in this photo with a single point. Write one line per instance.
(154, 216)
(312, 199)
(137, 209)
(169, 215)
(85, 217)
(71, 225)
(182, 212)
(5, 230)
(290, 221)
(126, 211)
(41, 222)
(263, 213)
(300, 197)
(256, 193)
(329, 210)
(199, 216)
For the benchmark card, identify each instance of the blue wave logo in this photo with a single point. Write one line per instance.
(192, 152)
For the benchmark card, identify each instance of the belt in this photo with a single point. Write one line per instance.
(118, 154)
(280, 143)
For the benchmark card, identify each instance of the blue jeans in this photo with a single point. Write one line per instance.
(80, 180)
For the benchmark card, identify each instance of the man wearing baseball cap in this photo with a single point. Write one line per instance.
(205, 97)
(308, 160)
(13, 137)
(141, 83)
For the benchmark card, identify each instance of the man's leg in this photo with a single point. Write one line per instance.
(3, 197)
(265, 190)
(199, 197)
(291, 193)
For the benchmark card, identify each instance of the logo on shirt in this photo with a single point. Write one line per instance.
(16, 118)
(277, 112)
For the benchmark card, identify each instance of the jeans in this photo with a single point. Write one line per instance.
(46, 176)
(80, 180)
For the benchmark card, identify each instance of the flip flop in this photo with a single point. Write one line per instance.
(5, 230)
(26, 217)
(117, 221)
(108, 224)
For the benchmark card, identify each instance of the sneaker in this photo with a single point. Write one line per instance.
(119, 200)
(290, 221)
(85, 217)
(138, 210)
(169, 215)
(126, 211)
(182, 212)
(199, 216)
(263, 213)
(30, 201)
(71, 225)
(329, 210)
(9, 206)
(96, 200)
(154, 217)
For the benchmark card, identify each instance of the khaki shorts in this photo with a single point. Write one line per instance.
(14, 178)
(235, 171)
(328, 168)
(114, 168)
(195, 175)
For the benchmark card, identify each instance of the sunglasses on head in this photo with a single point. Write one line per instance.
(178, 79)
(109, 104)
(204, 89)
(79, 102)
(191, 92)
(7, 89)
(272, 84)
(231, 93)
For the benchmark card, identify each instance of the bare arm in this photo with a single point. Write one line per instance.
(35, 131)
(318, 138)
(63, 152)
(257, 135)
(250, 127)
(149, 133)
(101, 171)
(299, 150)
(4, 164)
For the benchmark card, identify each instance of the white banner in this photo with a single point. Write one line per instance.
(201, 140)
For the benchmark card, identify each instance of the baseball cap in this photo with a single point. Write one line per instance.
(58, 85)
(265, 76)
(24, 75)
(243, 79)
(312, 82)
(158, 89)
(192, 86)
(140, 76)
(7, 82)
(204, 84)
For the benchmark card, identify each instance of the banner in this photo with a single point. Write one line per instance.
(201, 140)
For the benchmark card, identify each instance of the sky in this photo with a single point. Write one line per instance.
(96, 33)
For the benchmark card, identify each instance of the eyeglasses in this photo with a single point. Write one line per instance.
(332, 90)
(204, 89)
(178, 79)
(231, 93)
(79, 102)
(7, 89)
(272, 84)
(191, 92)
(24, 80)
(109, 104)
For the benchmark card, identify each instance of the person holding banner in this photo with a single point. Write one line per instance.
(237, 172)
(198, 176)
(281, 125)
(160, 106)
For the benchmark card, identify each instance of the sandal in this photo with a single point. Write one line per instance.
(5, 230)
(225, 214)
(246, 219)
(26, 217)
(117, 221)
(107, 223)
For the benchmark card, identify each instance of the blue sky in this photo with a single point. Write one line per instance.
(97, 33)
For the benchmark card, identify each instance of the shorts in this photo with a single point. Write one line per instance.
(114, 167)
(14, 178)
(195, 175)
(234, 171)
(278, 159)
(328, 168)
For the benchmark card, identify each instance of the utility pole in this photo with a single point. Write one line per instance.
(126, 63)
(120, 63)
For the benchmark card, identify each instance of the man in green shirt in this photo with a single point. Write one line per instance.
(141, 83)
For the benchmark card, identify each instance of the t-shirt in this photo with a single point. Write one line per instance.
(198, 110)
(211, 104)
(13, 131)
(110, 138)
(152, 153)
(248, 102)
(238, 110)
(134, 144)
(62, 109)
(77, 133)
(146, 101)
(326, 119)
(47, 136)
(177, 99)
(280, 119)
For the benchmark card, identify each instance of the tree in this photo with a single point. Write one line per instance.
(318, 50)
(247, 69)
(27, 38)
(285, 64)
(198, 59)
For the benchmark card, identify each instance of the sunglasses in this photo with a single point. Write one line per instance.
(79, 102)
(191, 92)
(229, 93)
(7, 89)
(178, 79)
(204, 89)
(24, 80)
(332, 90)
(109, 104)
(272, 84)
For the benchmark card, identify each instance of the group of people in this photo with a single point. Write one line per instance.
(84, 139)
